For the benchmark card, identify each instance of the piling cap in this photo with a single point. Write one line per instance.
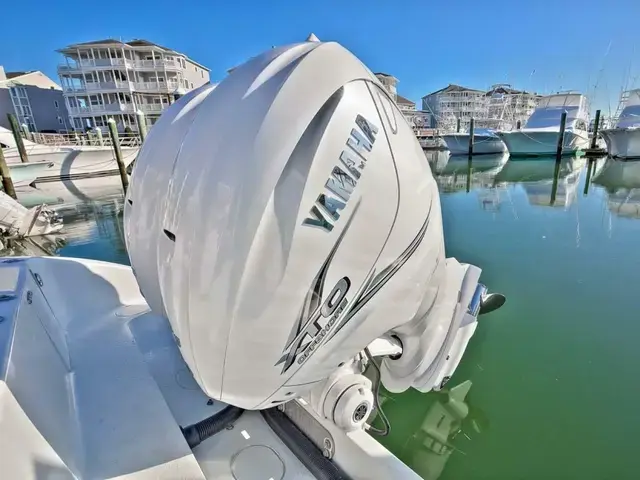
(111, 120)
(312, 38)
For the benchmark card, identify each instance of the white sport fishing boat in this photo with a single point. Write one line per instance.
(273, 259)
(485, 141)
(50, 163)
(623, 141)
(539, 137)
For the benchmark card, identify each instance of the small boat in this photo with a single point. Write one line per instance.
(540, 135)
(65, 163)
(17, 220)
(623, 141)
(23, 174)
(485, 141)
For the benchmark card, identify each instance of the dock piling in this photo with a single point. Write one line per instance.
(471, 128)
(99, 135)
(7, 183)
(563, 125)
(113, 132)
(458, 125)
(518, 124)
(17, 136)
(142, 125)
(596, 127)
(25, 131)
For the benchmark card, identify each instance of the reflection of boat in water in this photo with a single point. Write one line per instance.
(621, 181)
(463, 174)
(545, 181)
(427, 445)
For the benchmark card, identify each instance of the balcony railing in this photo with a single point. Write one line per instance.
(152, 107)
(155, 86)
(120, 62)
(96, 86)
(153, 64)
(97, 109)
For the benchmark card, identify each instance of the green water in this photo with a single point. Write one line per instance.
(552, 377)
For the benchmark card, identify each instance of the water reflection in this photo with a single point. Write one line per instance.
(430, 436)
(546, 181)
(91, 210)
(621, 181)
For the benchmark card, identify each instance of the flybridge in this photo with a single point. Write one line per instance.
(344, 176)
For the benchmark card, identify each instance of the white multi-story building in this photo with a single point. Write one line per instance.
(510, 105)
(112, 79)
(454, 102)
(500, 107)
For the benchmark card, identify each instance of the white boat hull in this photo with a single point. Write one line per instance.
(539, 143)
(622, 142)
(458, 144)
(23, 174)
(74, 163)
(98, 389)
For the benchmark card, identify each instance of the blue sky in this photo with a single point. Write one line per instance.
(543, 45)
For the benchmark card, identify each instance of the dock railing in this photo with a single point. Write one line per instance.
(89, 139)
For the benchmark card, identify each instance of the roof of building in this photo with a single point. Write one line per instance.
(11, 75)
(34, 78)
(507, 90)
(454, 88)
(403, 100)
(383, 74)
(136, 42)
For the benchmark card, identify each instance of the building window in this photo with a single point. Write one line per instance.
(55, 102)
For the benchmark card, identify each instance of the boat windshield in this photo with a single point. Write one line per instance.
(630, 117)
(550, 117)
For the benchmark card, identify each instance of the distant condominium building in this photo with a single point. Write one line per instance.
(509, 105)
(500, 107)
(454, 102)
(34, 99)
(417, 119)
(108, 78)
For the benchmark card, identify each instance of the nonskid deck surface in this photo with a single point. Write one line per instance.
(103, 389)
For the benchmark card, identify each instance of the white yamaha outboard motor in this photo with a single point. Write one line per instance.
(286, 220)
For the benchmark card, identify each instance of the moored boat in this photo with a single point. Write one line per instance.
(539, 137)
(485, 141)
(623, 141)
